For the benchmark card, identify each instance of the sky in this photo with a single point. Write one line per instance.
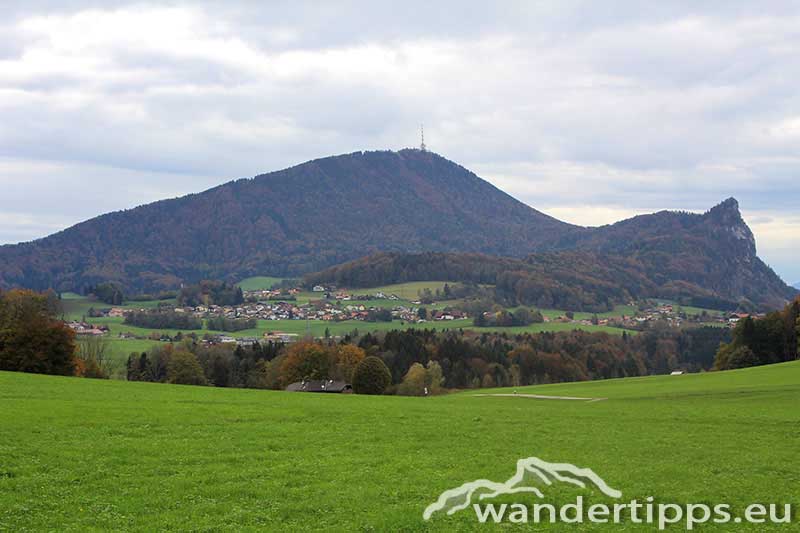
(589, 111)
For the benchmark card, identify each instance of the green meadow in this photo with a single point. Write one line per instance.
(406, 291)
(88, 455)
(258, 283)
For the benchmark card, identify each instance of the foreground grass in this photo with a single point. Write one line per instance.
(79, 454)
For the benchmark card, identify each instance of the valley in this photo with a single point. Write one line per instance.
(344, 312)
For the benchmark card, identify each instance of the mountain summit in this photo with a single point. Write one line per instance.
(331, 210)
(288, 222)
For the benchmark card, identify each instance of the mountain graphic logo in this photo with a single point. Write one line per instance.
(530, 475)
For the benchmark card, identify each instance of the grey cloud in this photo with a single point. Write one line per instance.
(628, 106)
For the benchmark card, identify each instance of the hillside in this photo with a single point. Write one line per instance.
(337, 209)
(578, 280)
(289, 222)
(688, 253)
(84, 454)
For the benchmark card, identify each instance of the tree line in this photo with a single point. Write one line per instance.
(162, 319)
(106, 292)
(774, 338)
(210, 292)
(427, 361)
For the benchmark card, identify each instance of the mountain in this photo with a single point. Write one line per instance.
(336, 209)
(288, 222)
(797, 285)
(687, 253)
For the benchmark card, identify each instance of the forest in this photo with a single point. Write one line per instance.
(574, 281)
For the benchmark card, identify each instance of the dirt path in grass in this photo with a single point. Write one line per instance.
(542, 397)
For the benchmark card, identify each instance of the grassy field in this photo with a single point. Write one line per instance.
(82, 455)
(258, 283)
(76, 307)
(407, 291)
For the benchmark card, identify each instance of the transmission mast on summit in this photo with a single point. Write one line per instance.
(422, 146)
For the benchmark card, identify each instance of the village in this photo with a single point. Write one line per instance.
(337, 305)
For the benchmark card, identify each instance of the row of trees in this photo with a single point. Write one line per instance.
(210, 292)
(269, 365)
(221, 323)
(421, 362)
(162, 320)
(106, 292)
(772, 339)
(497, 316)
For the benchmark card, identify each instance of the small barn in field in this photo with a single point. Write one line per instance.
(320, 385)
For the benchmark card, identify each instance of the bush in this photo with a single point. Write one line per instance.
(184, 369)
(371, 376)
(414, 382)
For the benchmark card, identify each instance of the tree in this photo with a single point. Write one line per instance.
(138, 367)
(347, 358)
(434, 377)
(522, 317)
(743, 357)
(306, 360)
(92, 358)
(184, 369)
(31, 338)
(371, 376)
(109, 293)
(414, 382)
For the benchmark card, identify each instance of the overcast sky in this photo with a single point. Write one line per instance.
(588, 111)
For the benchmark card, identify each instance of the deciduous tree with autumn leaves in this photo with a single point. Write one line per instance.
(32, 339)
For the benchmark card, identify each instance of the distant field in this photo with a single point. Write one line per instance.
(690, 310)
(77, 307)
(619, 311)
(81, 455)
(258, 283)
(553, 326)
(406, 291)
